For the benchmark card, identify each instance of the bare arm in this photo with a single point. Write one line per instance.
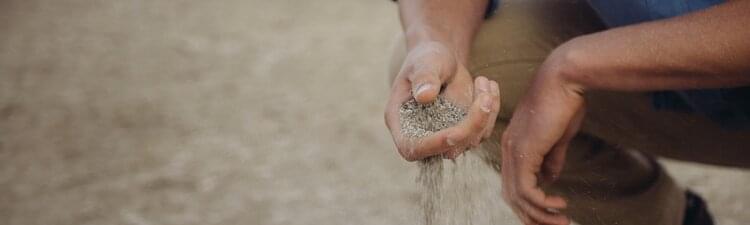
(453, 23)
(706, 49)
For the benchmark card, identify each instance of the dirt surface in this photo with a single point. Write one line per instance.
(215, 112)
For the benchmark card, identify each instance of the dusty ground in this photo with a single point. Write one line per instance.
(214, 112)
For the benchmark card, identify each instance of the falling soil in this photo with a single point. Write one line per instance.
(453, 192)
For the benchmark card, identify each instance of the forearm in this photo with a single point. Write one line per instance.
(453, 23)
(706, 49)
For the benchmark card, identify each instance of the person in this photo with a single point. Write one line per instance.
(574, 98)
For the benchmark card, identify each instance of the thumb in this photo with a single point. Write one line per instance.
(555, 160)
(425, 85)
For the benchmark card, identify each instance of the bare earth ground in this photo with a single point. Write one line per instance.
(215, 112)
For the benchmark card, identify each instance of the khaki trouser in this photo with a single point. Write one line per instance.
(604, 182)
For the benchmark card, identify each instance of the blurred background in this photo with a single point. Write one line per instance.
(216, 112)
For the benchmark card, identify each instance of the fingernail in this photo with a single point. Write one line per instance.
(484, 85)
(421, 88)
(486, 105)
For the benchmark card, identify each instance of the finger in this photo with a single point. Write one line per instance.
(399, 95)
(454, 153)
(495, 92)
(455, 138)
(509, 194)
(460, 89)
(469, 131)
(425, 83)
(434, 144)
(542, 216)
(459, 137)
(525, 218)
(525, 168)
(481, 87)
(511, 184)
(537, 197)
(554, 162)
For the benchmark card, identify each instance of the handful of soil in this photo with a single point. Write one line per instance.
(466, 195)
(421, 120)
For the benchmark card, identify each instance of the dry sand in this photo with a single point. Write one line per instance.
(215, 112)
(419, 121)
(461, 191)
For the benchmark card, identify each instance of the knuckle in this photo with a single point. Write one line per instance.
(405, 72)
(476, 141)
(526, 194)
(480, 123)
(406, 151)
(410, 157)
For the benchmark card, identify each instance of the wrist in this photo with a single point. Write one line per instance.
(566, 65)
(420, 35)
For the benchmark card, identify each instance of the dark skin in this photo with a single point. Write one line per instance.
(706, 49)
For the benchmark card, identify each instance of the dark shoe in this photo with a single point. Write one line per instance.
(696, 211)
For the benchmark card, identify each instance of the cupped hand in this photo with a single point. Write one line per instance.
(431, 69)
(534, 145)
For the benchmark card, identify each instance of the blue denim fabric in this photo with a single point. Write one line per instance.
(616, 13)
(730, 106)
(491, 7)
